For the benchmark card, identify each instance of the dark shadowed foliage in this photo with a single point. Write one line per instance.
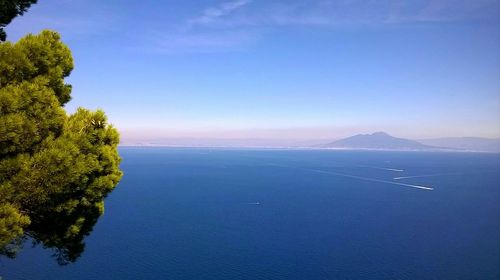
(9, 9)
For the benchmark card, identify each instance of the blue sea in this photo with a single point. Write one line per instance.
(197, 213)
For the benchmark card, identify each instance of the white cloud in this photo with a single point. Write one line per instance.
(212, 14)
(234, 24)
(201, 42)
(347, 12)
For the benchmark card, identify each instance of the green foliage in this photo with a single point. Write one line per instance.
(55, 169)
(42, 59)
(29, 113)
(11, 227)
(9, 9)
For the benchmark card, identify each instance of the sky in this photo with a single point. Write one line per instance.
(290, 69)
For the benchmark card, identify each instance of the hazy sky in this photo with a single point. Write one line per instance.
(282, 69)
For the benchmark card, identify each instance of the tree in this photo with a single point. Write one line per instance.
(54, 168)
(9, 9)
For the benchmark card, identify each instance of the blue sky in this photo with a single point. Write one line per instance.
(281, 69)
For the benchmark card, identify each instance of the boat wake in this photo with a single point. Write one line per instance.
(382, 168)
(427, 188)
(372, 179)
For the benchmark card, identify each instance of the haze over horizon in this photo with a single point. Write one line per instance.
(272, 138)
(281, 69)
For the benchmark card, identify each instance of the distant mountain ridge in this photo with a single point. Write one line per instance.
(465, 143)
(378, 141)
(374, 141)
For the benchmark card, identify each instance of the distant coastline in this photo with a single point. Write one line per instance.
(378, 141)
(443, 150)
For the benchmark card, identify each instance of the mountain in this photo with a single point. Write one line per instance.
(465, 143)
(378, 141)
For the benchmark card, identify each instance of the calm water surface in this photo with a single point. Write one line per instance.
(289, 214)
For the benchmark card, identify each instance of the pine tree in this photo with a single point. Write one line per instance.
(55, 168)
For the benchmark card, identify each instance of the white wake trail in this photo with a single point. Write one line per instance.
(443, 174)
(371, 179)
(382, 168)
(426, 175)
(359, 177)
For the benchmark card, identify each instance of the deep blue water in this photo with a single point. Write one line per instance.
(289, 214)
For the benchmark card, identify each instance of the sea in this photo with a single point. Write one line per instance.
(213, 213)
